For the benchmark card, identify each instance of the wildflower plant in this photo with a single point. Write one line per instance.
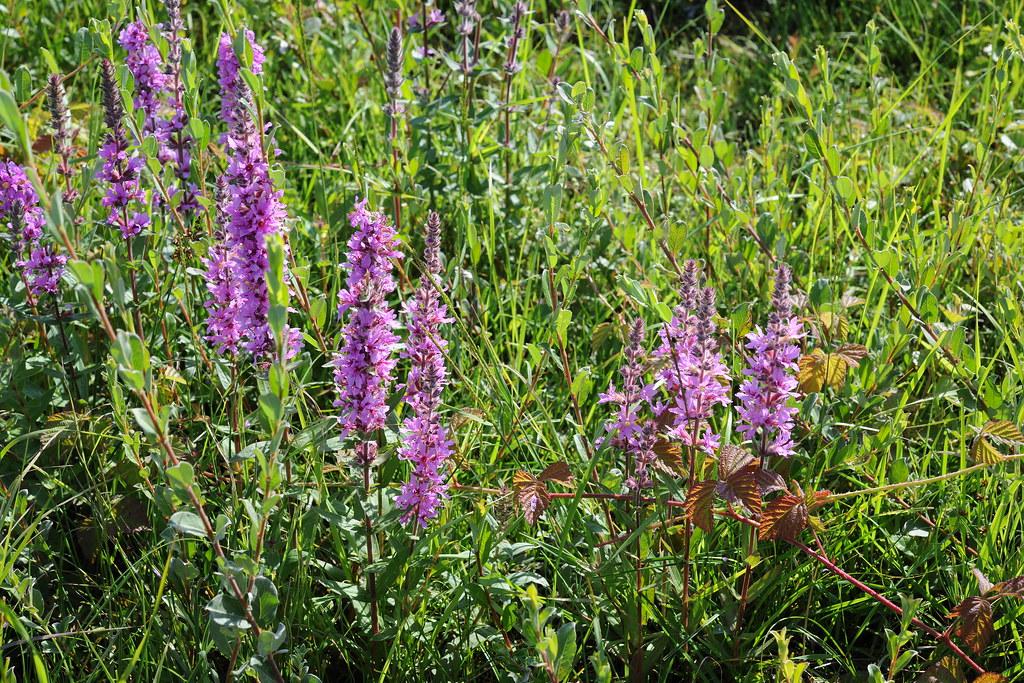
(426, 444)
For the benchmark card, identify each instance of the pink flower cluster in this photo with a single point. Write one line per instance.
(24, 219)
(425, 439)
(159, 93)
(365, 366)
(121, 164)
(250, 210)
(630, 431)
(694, 375)
(765, 410)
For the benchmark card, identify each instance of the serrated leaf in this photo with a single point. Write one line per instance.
(974, 622)
(783, 519)
(835, 325)
(669, 458)
(731, 459)
(1003, 430)
(991, 677)
(531, 495)
(698, 505)
(853, 354)
(819, 369)
(984, 452)
(1011, 587)
(769, 481)
(741, 487)
(557, 471)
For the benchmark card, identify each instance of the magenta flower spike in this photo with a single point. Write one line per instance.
(250, 211)
(765, 395)
(146, 65)
(694, 375)
(630, 432)
(425, 441)
(121, 165)
(365, 365)
(23, 220)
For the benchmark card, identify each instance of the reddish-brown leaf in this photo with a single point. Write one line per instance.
(732, 459)
(699, 502)
(784, 518)
(741, 487)
(974, 625)
(531, 494)
(557, 471)
(769, 482)
(853, 354)
(817, 499)
(670, 458)
(991, 677)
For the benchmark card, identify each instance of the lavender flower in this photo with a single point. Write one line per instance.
(24, 219)
(251, 211)
(229, 78)
(364, 368)
(629, 433)
(222, 328)
(425, 439)
(120, 164)
(60, 123)
(146, 65)
(434, 18)
(43, 269)
(695, 377)
(468, 19)
(767, 419)
(19, 206)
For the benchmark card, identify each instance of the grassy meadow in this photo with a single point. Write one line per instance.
(173, 511)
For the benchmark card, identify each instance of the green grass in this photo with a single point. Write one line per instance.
(914, 230)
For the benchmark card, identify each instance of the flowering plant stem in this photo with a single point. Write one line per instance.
(171, 459)
(371, 578)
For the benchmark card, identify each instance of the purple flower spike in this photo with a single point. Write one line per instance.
(425, 439)
(629, 433)
(23, 220)
(767, 417)
(44, 268)
(365, 366)
(146, 65)
(121, 165)
(694, 375)
(250, 210)
(229, 78)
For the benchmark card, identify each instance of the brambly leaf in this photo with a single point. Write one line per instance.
(1003, 430)
(531, 495)
(818, 370)
(699, 505)
(984, 452)
(974, 622)
(557, 471)
(783, 519)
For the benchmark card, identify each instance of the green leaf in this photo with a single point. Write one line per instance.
(846, 189)
(188, 523)
(181, 476)
(562, 324)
